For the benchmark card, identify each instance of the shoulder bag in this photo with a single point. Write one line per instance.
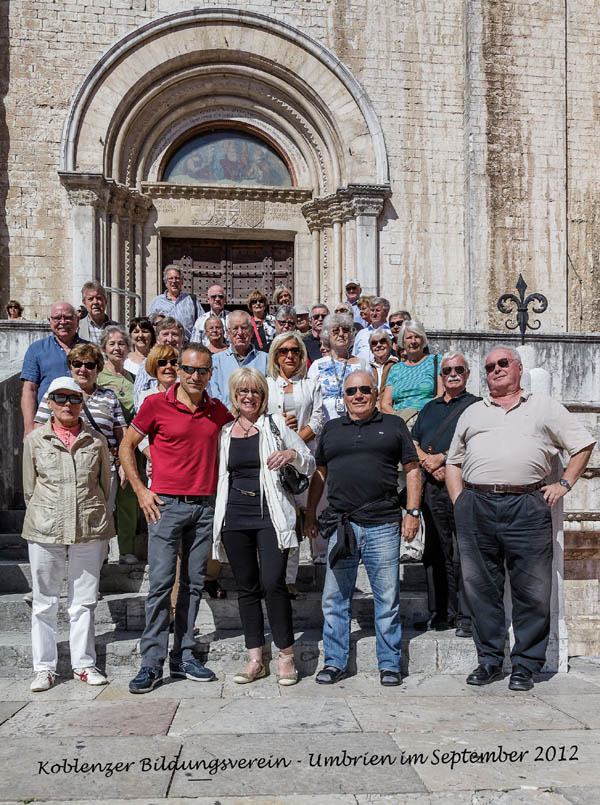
(291, 479)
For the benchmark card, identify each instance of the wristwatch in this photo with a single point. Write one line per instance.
(414, 512)
(565, 483)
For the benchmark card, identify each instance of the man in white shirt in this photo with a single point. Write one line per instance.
(379, 308)
(353, 294)
(216, 299)
(174, 302)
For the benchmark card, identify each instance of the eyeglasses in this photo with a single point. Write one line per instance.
(352, 390)
(319, 315)
(378, 342)
(61, 399)
(286, 322)
(249, 393)
(352, 288)
(396, 323)
(338, 330)
(217, 296)
(191, 370)
(88, 364)
(169, 361)
(447, 370)
(501, 362)
(56, 319)
(288, 350)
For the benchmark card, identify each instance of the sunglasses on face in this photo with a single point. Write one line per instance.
(249, 393)
(190, 370)
(319, 315)
(287, 350)
(339, 330)
(377, 343)
(217, 296)
(56, 319)
(352, 390)
(501, 362)
(286, 322)
(166, 361)
(447, 370)
(88, 364)
(61, 399)
(395, 324)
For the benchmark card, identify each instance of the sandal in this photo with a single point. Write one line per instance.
(329, 675)
(243, 677)
(291, 677)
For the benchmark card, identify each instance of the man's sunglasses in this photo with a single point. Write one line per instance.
(447, 370)
(319, 315)
(501, 362)
(189, 370)
(217, 296)
(351, 390)
(287, 322)
(165, 361)
(61, 399)
(287, 350)
(88, 364)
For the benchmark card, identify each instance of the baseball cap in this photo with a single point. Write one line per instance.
(352, 282)
(64, 384)
(301, 310)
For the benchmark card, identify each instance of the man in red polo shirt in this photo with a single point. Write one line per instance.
(183, 429)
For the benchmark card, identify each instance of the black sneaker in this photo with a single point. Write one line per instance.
(148, 677)
(191, 669)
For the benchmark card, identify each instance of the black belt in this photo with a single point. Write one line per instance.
(505, 489)
(191, 499)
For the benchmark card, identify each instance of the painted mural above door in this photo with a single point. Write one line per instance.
(228, 157)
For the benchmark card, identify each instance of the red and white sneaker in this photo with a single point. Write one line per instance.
(44, 680)
(91, 676)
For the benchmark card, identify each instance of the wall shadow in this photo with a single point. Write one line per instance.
(4, 150)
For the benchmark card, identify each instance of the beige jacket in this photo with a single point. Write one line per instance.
(66, 493)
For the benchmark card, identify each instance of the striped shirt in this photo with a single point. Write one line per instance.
(104, 407)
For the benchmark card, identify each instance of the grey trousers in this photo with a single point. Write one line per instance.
(493, 528)
(190, 525)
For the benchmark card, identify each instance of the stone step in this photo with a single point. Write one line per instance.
(11, 520)
(13, 547)
(224, 652)
(15, 577)
(125, 611)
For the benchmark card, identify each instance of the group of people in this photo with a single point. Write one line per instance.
(212, 423)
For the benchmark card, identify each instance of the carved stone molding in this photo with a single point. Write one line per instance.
(105, 195)
(289, 195)
(347, 203)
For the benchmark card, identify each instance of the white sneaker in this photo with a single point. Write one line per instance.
(90, 675)
(128, 559)
(44, 680)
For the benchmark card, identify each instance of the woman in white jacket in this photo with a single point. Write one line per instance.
(255, 518)
(299, 400)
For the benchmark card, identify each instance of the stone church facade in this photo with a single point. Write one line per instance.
(434, 149)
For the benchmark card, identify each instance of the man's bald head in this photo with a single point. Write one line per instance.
(360, 395)
(63, 322)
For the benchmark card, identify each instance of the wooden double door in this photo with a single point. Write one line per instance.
(239, 266)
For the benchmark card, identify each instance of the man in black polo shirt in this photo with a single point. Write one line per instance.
(358, 456)
(432, 434)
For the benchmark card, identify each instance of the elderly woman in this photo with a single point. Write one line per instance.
(381, 345)
(282, 296)
(263, 326)
(255, 518)
(346, 307)
(215, 334)
(14, 309)
(298, 399)
(66, 481)
(415, 381)
(101, 407)
(143, 338)
(332, 370)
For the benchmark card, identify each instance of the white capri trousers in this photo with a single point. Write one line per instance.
(48, 563)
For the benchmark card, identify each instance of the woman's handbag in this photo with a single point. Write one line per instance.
(292, 481)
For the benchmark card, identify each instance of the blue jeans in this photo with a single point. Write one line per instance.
(191, 526)
(379, 547)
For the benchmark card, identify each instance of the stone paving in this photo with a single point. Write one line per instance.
(433, 740)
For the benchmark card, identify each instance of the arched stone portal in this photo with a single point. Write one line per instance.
(201, 70)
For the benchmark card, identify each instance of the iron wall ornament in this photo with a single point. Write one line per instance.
(507, 302)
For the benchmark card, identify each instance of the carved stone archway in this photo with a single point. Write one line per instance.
(222, 67)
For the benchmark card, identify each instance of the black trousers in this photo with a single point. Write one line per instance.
(441, 558)
(493, 528)
(259, 565)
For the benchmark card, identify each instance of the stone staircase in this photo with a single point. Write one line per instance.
(120, 619)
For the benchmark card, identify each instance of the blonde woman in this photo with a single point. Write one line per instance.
(298, 399)
(255, 518)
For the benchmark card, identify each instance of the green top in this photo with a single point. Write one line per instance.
(122, 385)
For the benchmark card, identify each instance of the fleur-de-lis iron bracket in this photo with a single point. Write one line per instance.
(507, 302)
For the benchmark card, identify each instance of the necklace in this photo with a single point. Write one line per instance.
(246, 430)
